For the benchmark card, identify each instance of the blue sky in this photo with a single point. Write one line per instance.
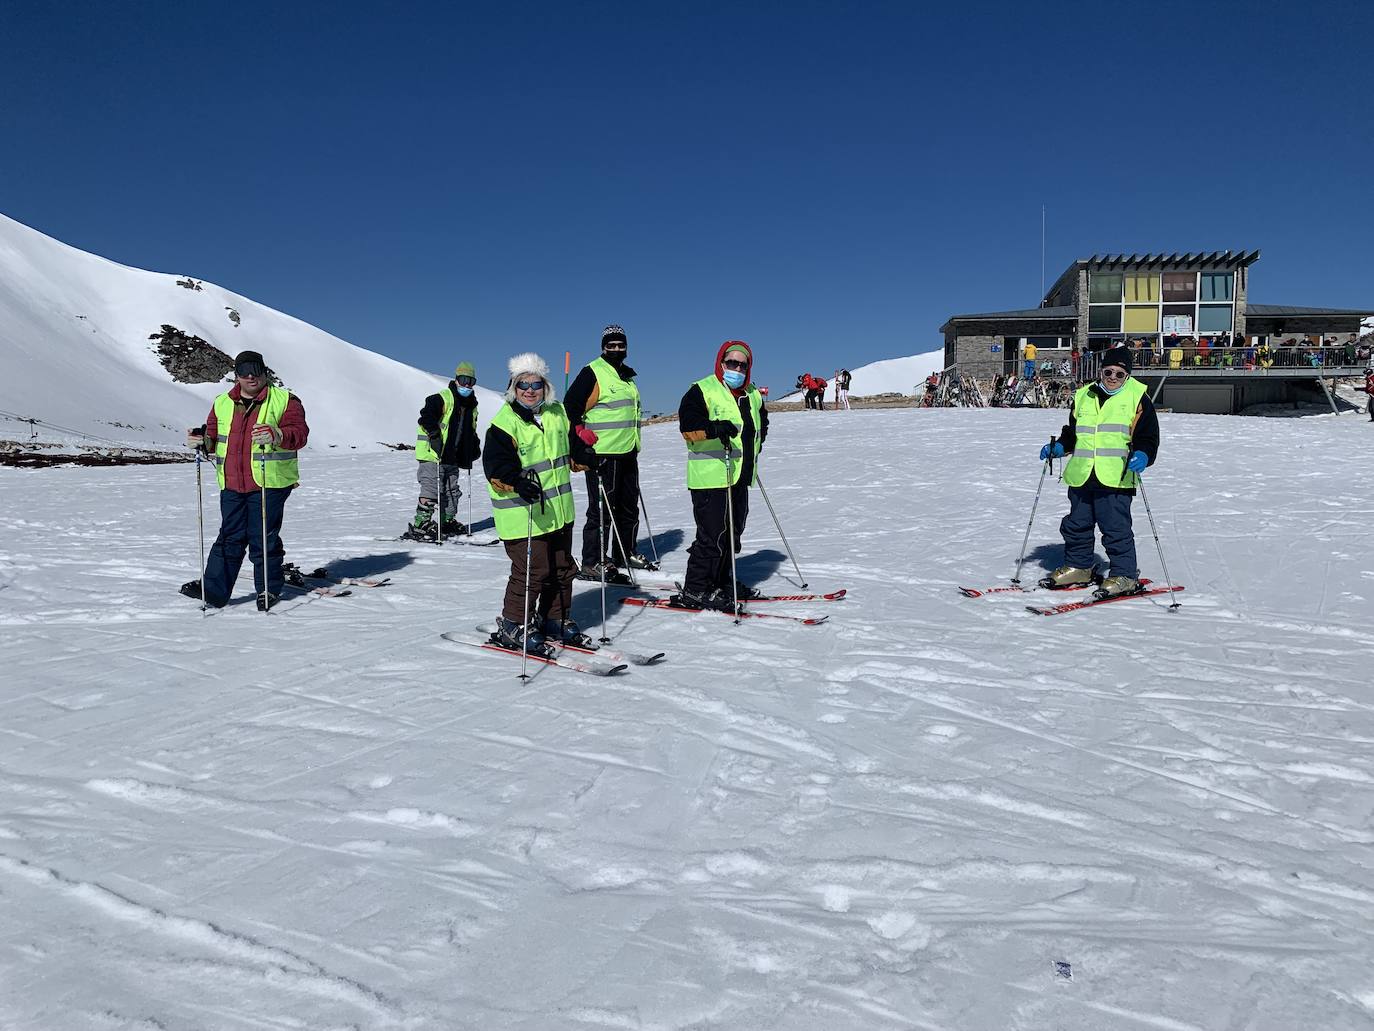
(826, 181)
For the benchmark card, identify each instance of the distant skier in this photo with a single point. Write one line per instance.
(820, 393)
(445, 444)
(526, 456)
(605, 399)
(724, 421)
(1113, 436)
(1369, 390)
(842, 389)
(254, 431)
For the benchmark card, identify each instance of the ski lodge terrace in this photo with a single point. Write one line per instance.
(1197, 341)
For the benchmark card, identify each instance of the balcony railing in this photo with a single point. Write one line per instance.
(1260, 358)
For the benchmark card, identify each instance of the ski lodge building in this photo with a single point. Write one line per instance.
(1200, 345)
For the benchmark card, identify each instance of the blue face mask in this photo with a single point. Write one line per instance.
(464, 391)
(1111, 391)
(733, 378)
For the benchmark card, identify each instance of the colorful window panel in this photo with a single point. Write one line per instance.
(1104, 318)
(1216, 286)
(1213, 318)
(1141, 289)
(1142, 319)
(1180, 286)
(1104, 288)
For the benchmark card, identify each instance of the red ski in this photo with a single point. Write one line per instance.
(981, 592)
(662, 603)
(1074, 606)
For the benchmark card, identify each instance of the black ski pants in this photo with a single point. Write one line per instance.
(708, 561)
(240, 531)
(619, 474)
(551, 577)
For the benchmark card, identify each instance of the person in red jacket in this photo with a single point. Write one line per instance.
(266, 427)
(1369, 389)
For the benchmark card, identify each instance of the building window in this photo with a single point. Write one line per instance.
(1213, 318)
(1104, 288)
(1141, 319)
(1105, 318)
(1180, 286)
(1216, 286)
(1141, 288)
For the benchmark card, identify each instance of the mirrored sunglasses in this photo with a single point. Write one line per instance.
(530, 386)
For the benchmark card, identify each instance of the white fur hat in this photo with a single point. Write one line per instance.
(531, 364)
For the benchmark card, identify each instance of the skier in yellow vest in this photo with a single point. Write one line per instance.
(604, 399)
(527, 459)
(445, 444)
(1112, 436)
(253, 433)
(724, 422)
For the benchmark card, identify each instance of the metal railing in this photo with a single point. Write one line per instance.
(1257, 358)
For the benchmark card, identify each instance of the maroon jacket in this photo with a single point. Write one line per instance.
(238, 472)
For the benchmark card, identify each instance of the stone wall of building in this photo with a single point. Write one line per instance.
(975, 357)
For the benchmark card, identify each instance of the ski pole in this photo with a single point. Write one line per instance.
(200, 518)
(764, 492)
(730, 526)
(262, 504)
(1167, 582)
(601, 539)
(469, 501)
(652, 545)
(1049, 461)
(525, 627)
(439, 501)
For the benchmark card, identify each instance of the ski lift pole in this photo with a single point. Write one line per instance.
(763, 490)
(1049, 461)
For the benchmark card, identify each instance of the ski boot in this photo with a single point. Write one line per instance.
(512, 635)
(592, 573)
(1116, 586)
(568, 632)
(716, 600)
(1069, 576)
(292, 574)
(453, 528)
(743, 592)
(266, 601)
(427, 533)
(638, 561)
(191, 589)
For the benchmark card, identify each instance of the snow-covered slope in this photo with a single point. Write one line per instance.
(905, 818)
(74, 352)
(889, 376)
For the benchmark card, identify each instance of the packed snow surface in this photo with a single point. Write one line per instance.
(75, 355)
(930, 812)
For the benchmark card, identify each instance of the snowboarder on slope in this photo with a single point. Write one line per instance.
(526, 456)
(723, 419)
(253, 430)
(605, 399)
(445, 444)
(1113, 436)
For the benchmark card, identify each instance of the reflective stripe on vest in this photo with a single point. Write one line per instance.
(543, 452)
(615, 416)
(707, 463)
(282, 468)
(1103, 436)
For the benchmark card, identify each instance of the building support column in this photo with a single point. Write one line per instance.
(1159, 388)
(1330, 400)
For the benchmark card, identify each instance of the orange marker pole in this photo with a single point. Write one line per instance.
(567, 368)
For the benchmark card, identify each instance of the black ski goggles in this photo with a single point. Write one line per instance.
(246, 369)
(466, 381)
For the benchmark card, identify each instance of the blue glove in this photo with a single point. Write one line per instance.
(1138, 461)
(1045, 451)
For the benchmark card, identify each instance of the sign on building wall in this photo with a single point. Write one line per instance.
(1180, 324)
(995, 348)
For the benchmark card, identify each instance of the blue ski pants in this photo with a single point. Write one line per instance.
(1109, 511)
(240, 531)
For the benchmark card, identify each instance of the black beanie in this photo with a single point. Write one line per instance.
(1120, 356)
(249, 358)
(613, 334)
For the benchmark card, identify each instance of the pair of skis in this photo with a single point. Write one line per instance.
(318, 581)
(1146, 591)
(599, 662)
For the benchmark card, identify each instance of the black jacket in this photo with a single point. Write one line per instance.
(693, 417)
(1144, 437)
(461, 447)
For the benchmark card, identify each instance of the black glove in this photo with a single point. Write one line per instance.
(529, 490)
(436, 442)
(722, 430)
(584, 455)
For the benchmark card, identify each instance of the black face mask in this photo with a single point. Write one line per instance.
(614, 358)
